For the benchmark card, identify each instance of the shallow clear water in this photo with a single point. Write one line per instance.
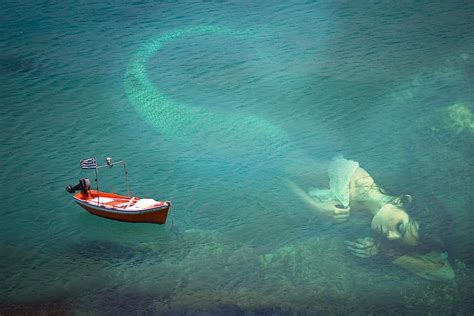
(291, 83)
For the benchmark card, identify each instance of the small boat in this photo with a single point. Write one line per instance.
(114, 206)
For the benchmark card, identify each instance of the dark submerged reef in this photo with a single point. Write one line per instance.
(314, 276)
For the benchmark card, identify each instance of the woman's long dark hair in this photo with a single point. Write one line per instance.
(433, 221)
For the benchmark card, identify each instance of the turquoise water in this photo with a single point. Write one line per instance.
(211, 104)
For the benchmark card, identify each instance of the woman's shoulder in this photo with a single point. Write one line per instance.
(362, 179)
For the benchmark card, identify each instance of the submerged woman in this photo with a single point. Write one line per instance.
(406, 233)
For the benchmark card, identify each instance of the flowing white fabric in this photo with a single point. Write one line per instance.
(340, 172)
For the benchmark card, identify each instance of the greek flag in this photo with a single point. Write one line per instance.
(89, 163)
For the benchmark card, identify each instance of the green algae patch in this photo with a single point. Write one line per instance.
(459, 118)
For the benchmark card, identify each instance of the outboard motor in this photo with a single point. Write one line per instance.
(84, 186)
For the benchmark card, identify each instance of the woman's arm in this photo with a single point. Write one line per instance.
(431, 266)
(327, 209)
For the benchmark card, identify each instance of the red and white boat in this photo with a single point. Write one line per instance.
(114, 206)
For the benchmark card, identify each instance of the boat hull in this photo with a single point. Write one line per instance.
(111, 209)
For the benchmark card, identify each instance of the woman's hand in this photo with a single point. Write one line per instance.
(363, 247)
(331, 209)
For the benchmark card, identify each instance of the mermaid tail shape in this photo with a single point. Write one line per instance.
(194, 123)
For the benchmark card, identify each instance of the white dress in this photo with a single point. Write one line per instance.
(340, 172)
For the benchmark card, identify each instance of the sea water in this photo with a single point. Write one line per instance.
(289, 83)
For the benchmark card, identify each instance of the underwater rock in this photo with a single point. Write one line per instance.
(54, 305)
(115, 302)
(203, 273)
(315, 276)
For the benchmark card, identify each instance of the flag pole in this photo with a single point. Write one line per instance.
(97, 180)
(126, 177)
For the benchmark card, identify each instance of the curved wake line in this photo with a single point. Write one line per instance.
(195, 124)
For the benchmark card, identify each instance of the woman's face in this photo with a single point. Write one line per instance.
(393, 223)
